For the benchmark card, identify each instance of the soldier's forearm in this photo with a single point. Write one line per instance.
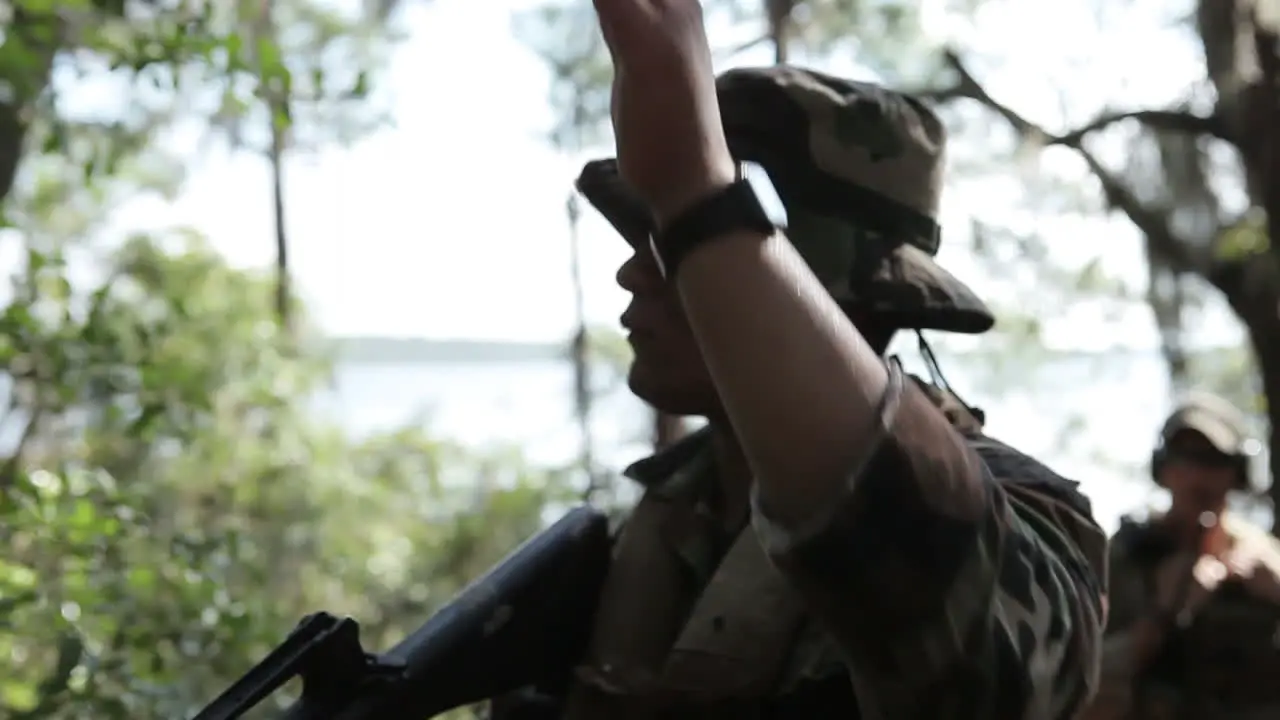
(800, 385)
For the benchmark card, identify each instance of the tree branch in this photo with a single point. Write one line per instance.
(1177, 253)
(52, 689)
(11, 467)
(1174, 252)
(1167, 120)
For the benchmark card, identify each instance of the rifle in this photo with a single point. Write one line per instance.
(525, 620)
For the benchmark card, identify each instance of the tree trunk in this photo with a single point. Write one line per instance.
(1265, 330)
(1243, 62)
(579, 355)
(28, 33)
(283, 288)
(275, 95)
(1264, 338)
(13, 133)
(1193, 211)
(778, 15)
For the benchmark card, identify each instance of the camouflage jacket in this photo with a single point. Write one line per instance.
(907, 610)
(1220, 666)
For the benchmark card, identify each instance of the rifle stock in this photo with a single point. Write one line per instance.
(525, 621)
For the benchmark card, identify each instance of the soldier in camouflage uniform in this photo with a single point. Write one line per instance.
(1194, 627)
(841, 541)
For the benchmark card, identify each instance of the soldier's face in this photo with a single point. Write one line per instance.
(1197, 475)
(668, 371)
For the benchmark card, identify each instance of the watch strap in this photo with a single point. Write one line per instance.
(731, 209)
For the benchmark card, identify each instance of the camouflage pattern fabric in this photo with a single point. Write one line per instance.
(859, 170)
(1223, 666)
(996, 615)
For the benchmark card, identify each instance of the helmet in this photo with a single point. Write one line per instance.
(1220, 423)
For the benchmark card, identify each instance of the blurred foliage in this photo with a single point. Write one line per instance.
(170, 502)
(1246, 237)
(226, 63)
(566, 36)
(171, 507)
(884, 36)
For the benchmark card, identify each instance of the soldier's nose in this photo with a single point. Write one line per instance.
(639, 273)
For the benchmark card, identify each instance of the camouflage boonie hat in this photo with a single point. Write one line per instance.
(859, 170)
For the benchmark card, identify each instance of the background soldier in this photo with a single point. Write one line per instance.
(840, 541)
(1194, 628)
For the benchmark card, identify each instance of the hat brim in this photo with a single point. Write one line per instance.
(910, 290)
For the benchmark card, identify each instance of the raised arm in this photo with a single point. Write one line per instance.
(951, 597)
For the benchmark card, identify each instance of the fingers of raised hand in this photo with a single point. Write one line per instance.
(636, 29)
(619, 19)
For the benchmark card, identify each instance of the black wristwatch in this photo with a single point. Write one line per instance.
(749, 203)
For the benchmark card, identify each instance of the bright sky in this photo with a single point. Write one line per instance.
(451, 223)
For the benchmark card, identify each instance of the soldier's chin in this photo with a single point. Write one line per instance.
(665, 394)
(1208, 500)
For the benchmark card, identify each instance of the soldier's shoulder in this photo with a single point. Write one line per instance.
(1013, 468)
(1010, 467)
(1051, 508)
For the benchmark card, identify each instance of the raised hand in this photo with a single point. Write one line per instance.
(671, 146)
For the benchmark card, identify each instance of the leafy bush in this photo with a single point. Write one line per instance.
(172, 505)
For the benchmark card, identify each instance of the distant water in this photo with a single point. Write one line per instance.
(525, 404)
(1090, 421)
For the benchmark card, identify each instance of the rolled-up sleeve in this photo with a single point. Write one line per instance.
(951, 597)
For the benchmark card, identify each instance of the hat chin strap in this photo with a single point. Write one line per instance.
(937, 378)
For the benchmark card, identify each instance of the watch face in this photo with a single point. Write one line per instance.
(762, 185)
